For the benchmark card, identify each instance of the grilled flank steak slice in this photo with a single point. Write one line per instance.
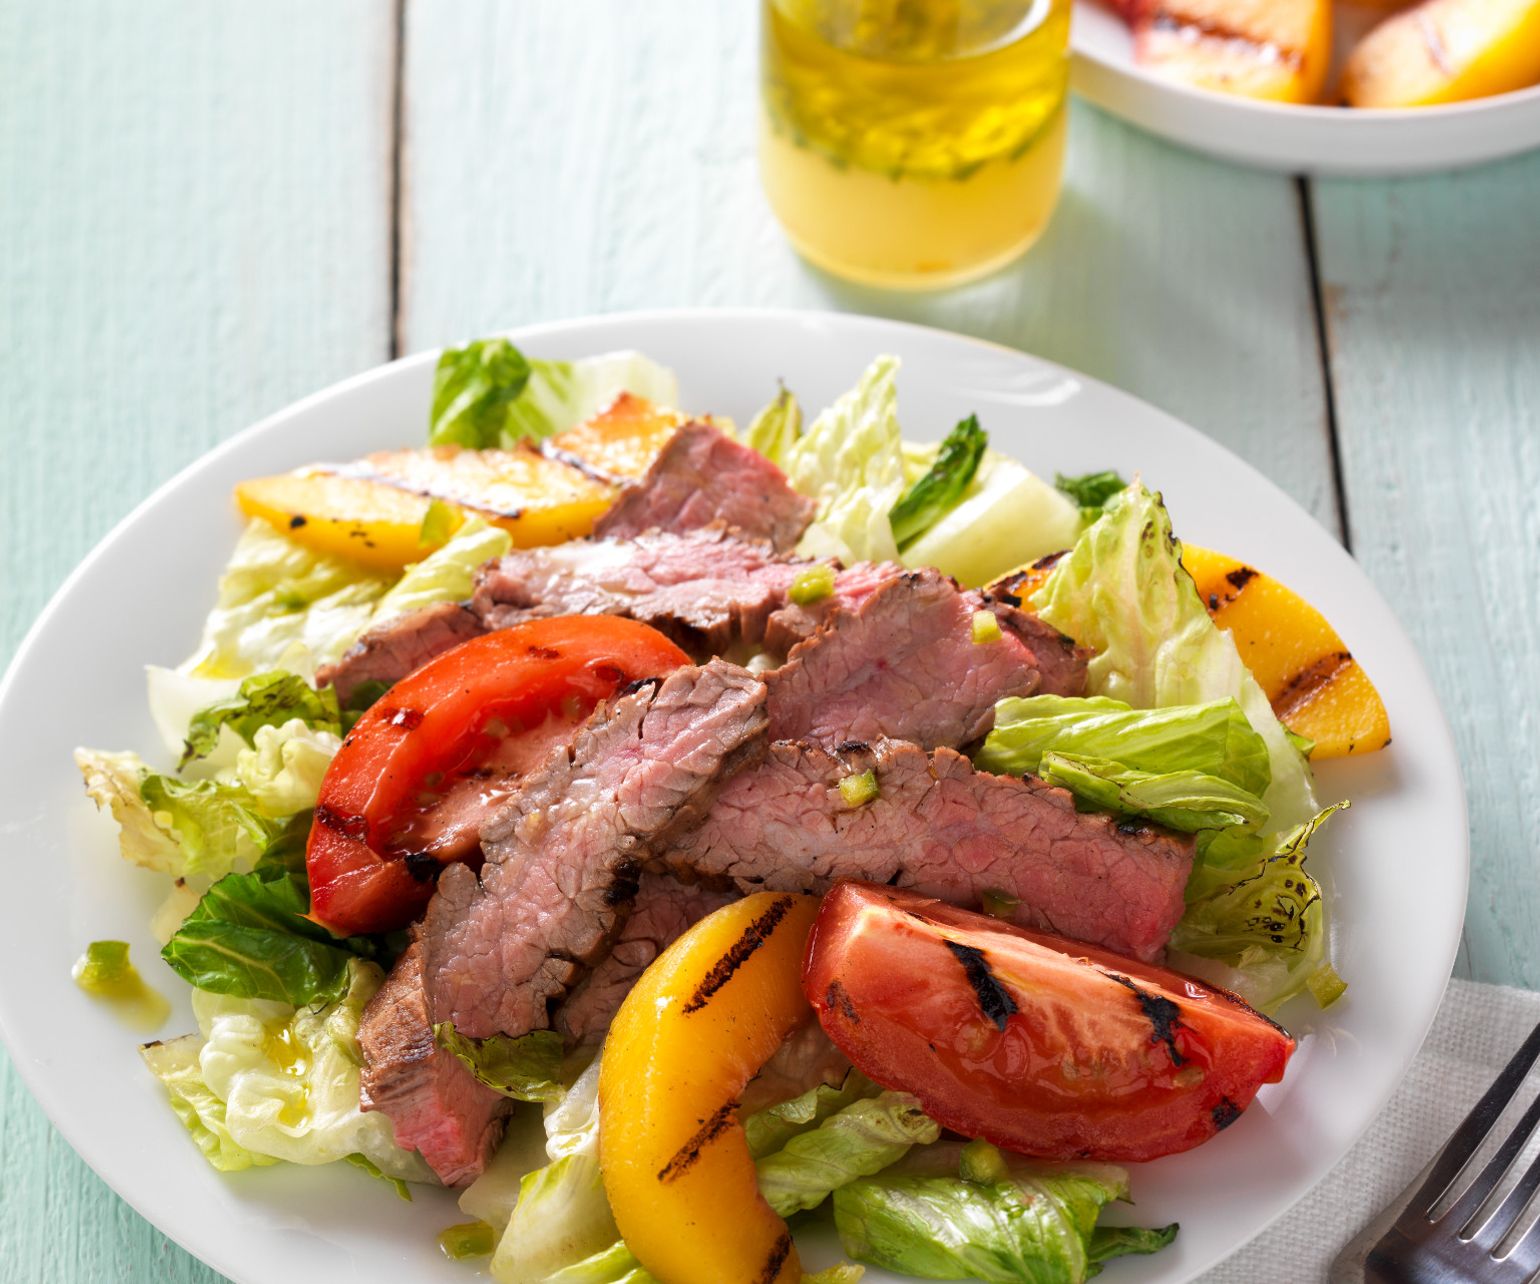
(564, 855)
(702, 477)
(938, 826)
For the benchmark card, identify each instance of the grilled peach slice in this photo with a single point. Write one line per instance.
(618, 443)
(704, 1017)
(1272, 49)
(1444, 51)
(1317, 689)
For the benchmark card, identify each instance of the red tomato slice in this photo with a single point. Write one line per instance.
(1038, 1044)
(451, 737)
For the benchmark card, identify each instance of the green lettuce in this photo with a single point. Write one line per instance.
(176, 1064)
(283, 769)
(776, 428)
(1122, 590)
(942, 486)
(263, 700)
(1090, 490)
(770, 1129)
(279, 599)
(1037, 1223)
(851, 462)
(1182, 800)
(863, 1138)
(249, 938)
(527, 1068)
(1264, 919)
(1213, 738)
(488, 393)
(189, 829)
(1007, 516)
(265, 1081)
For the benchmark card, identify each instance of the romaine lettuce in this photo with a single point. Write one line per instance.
(249, 938)
(1266, 921)
(857, 1141)
(1090, 490)
(1122, 590)
(447, 573)
(1187, 801)
(263, 700)
(1214, 738)
(850, 461)
(1037, 1224)
(175, 1063)
(770, 1129)
(527, 1068)
(775, 429)
(283, 769)
(942, 486)
(1007, 516)
(489, 394)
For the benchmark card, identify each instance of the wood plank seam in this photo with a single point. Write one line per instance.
(397, 91)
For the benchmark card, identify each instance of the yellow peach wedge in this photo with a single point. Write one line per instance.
(704, 1017)
(618, 443)
(1444, 51)
(1271, 49)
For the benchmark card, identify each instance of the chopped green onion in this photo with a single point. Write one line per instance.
(1325, 985)
(812, 585)
(439, 523)
(986, 627)
(998, 904)
(859, 790)
(467, 1239)
(982, 1163)
(104, 967)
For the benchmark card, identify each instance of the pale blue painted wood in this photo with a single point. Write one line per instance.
(1432, 298)
(569, 159)
(195, 222)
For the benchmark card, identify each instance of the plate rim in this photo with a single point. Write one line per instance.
(54, 1107)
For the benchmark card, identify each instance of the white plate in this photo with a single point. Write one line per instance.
(1298, 139)
(1398, 860)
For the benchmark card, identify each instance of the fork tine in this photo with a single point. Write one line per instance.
(1491, 1232)
(1524, 1257)
(1462, 1145)
(1463, 1211)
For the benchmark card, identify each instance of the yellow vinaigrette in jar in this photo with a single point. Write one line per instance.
(913, 142)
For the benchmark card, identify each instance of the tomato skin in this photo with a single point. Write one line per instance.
(1041, 1045)
(435, 721)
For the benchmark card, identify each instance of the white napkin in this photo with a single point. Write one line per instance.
(1477, 1030)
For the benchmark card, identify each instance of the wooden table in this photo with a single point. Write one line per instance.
(208, 210)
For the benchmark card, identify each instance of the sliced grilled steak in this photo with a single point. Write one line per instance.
(664, 910)
(794, 623)
(1060, 662)
(902, 665)
(703, 476)
(944, 829)
(389, 651)
(439, 1108)
(564, 854)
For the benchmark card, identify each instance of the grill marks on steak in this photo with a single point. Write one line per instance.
(701, 477)
(439, 1108)
(564, 855)
(944, 829)
(902, 665)
(664, 910)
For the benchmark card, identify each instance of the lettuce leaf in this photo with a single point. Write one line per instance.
(1007, 517)
(942, 486)
(1213, 738)
(861, 1139)
(488, 393)
(770, 1129)
(283, 769)
(776, 428)
(1266, 921)
(249, 938)
(175, 1063)
(1038, 1224)
(1090, 490)
(446, 574)
(527, 1068)
(1187, 801)
(1122, 590)
(263, 700)
(289, 1078)
(850, 461)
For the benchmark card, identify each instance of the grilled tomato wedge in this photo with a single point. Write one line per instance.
(407, 790)
(1038, 1044)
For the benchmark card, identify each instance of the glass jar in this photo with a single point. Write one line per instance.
(913, 143)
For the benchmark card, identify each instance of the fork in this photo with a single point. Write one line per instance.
(1407, 1244)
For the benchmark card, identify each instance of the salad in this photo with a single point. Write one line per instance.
(668, 833)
